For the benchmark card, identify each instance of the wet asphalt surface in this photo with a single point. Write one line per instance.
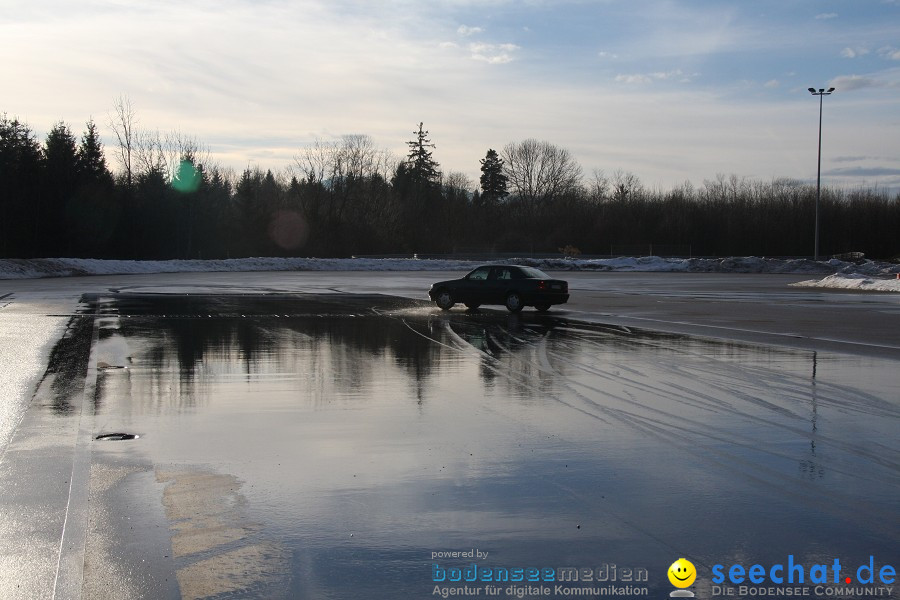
(328, 445)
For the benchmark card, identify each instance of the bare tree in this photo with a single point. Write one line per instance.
(626, 185)
(179, 146)
(540, 172)
(314, 162)
(142, 151)
(458, 187)
(122, 124)
(348, 169)
(362, 159)
(150, 153)
(156, 152)
(599, 186)
(353, 157)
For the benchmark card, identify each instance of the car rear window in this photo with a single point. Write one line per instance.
(533, 273)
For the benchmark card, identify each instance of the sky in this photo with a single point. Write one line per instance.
(669, 90)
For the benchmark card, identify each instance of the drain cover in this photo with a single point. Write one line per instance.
(117, 436)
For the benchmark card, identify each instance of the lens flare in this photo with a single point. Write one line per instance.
(288, 229)
(187, 177)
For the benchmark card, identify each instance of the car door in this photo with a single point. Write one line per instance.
(499, 284)
(472, 288)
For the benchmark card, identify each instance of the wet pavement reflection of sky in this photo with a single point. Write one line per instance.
(365, 433)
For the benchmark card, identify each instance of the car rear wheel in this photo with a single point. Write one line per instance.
(472, 305)
(542, 307)
(514, 302)
(444, 300)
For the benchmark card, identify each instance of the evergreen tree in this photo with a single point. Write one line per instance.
(61, 155)
(417, 188)
(91, 161)
(21, 172)
(155, 220)
(92, 215)
(493, 180)
(421, 166)
(18, 147)
(61, 167)
(258, 196)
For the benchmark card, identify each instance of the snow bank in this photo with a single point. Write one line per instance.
(67, 267)
(746, 264)
(852, 282)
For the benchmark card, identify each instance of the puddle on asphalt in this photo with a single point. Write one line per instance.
(367, 433)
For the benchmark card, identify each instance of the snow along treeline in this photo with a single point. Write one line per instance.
(67, 267)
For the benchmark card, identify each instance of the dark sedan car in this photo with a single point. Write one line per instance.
(513, 286)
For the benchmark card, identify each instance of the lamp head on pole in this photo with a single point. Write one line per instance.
(812, 90)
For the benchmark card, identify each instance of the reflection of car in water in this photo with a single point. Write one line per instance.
(513, 286)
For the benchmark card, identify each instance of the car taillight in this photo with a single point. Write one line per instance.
(542, 285)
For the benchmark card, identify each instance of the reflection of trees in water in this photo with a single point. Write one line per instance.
(68, 363)
(332, 349)
(332, 353)
(341, 348)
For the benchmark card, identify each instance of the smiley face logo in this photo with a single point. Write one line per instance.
(682, 573)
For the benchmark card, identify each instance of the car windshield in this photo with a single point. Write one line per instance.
(533, 273)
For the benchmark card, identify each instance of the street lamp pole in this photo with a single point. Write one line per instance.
(820, 93)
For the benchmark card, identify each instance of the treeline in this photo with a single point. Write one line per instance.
(167, 199)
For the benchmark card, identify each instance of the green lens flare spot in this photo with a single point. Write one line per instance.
(187, 177)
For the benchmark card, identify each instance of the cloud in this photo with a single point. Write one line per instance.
(824, 16)
(667, 74)
(772, 83)
(853, 158)
(640, 78)
(605, 54)
(854, 52)
(633, 79)
(862, 172)
(847, 83)
(889, 52)
(494, 54)
(466, 31)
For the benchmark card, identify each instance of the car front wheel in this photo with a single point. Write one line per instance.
(444, 300)
(514, 302)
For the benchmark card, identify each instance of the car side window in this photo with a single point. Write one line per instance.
(479, 274)
(504, 274)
